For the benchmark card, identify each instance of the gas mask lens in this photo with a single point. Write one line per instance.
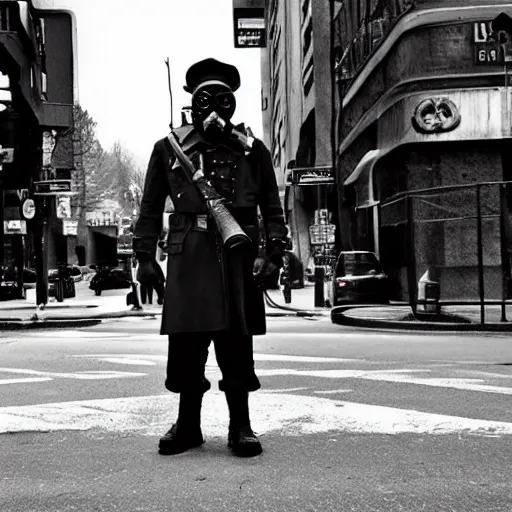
(225, 100)
(205, 100)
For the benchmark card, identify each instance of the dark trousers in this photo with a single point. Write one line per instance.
(146, 294)
(188, 353)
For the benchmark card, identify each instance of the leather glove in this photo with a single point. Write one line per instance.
(268, 274)
(147, 273)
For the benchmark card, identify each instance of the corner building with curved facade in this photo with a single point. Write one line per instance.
(424, 131)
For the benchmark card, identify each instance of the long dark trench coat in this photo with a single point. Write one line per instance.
(208, 289)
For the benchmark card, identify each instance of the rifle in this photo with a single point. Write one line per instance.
(230, 231)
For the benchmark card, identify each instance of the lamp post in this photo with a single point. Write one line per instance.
(502, 24)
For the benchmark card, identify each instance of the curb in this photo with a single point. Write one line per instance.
(105, 316)
(18, 325)
(76, 321)
(302, 314)
(338, 317)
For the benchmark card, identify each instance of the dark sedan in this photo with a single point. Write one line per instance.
(358, 279)
(107, 278)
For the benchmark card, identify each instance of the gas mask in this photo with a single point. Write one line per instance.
(215, 97)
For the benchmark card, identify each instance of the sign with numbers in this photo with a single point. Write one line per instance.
(486, 43)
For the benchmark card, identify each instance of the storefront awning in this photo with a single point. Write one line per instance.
(362, 179)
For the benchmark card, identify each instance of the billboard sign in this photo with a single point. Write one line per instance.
(250, 27)
(312, 176)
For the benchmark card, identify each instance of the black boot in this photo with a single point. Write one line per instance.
(241, 438)
(186, 432)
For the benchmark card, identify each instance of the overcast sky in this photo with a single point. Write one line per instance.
(122, 46)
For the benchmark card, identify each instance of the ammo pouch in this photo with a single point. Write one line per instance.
(180, 224)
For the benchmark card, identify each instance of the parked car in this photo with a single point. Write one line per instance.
(68, 284)
(76, 273)
(29, 278)
(358, 278)
(108, 278)
(10, 287)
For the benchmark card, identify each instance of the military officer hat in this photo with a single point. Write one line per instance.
(211, 70)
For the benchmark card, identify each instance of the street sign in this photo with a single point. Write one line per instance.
(28, 209)
(321, 175)
(488, 50)
(69, 227)
(15, 227)
(63, 207)
(52, 187)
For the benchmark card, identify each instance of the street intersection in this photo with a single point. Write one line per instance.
(375, 406)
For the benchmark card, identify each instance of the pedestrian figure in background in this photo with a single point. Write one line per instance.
(146, 294)
(211, 293)
(157, 285)
(285, 279)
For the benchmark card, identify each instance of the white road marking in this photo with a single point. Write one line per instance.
(283, 414)
(87, 375)
(333, 391)
(77, 334)
(145, 359)
(285, 390)
(24, 381)
(303, 359)
(128, 361)
(393, 376)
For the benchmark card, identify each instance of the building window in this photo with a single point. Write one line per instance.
(309, 83)
(308, 38)
(275, 47)
(275, 81)
(308, 68)
(5, 18)
(44, 87)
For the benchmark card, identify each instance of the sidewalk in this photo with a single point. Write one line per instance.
(303, 302)
(88, 309)
(395, 316)
(82, 310)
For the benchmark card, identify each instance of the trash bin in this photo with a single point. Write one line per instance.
(429, 293)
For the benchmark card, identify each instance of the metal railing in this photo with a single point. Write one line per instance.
(459, 236)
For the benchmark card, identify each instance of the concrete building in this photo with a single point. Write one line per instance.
(38, 90)
(425, 108)
(296, 107)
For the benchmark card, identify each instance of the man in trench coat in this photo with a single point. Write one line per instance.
(211, 293)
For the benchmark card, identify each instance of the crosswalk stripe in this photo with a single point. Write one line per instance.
(284, 414)
(25, 381)
(393, 376)
(85, 375)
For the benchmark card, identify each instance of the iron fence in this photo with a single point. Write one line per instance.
(455, 240)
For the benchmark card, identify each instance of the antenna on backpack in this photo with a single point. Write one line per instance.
(170, 88)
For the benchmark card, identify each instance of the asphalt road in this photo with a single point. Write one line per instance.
(349, 420)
